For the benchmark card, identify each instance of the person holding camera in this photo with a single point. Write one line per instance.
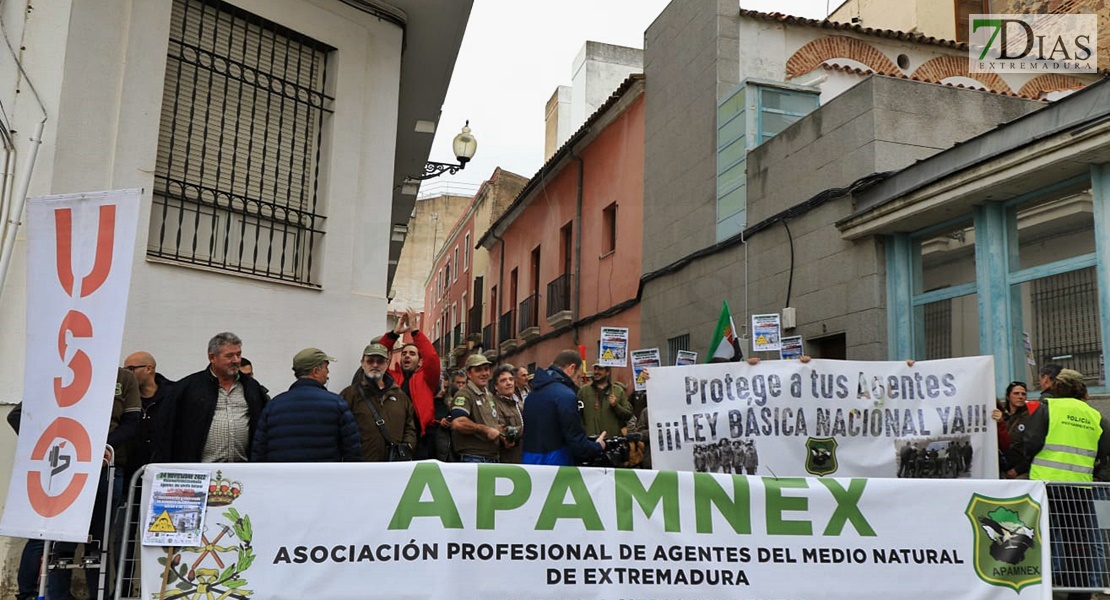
(509, 407)
(554, 435)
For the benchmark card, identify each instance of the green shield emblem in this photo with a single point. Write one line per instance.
(1007, 547)
(821, 456)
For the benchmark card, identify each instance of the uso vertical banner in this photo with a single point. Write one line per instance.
(79, 253)
(827, 418)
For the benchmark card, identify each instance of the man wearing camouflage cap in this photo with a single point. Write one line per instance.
(373, 384)
(1065, 437)
(476, 425)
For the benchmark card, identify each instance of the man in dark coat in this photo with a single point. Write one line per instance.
(214, 411)
(372, 384)
(307, 423)
(553, 433)
(152, 442)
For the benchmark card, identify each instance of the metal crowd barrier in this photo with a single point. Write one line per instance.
(1079, 526)
(1079, 523)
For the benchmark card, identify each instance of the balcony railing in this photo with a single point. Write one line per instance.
(505, 330)
(529, 312)
(474, 320)
(487, 337)
(457, 336)
(558, 294)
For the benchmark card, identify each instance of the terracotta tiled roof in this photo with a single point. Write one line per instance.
(889, 34)
(866, 71)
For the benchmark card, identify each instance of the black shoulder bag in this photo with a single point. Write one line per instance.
(397, 452)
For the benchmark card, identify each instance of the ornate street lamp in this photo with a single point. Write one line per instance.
(464, 146)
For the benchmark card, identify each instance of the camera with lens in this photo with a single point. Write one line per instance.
(511, 434)
(616, 451)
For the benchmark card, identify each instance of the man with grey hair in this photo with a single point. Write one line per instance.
(215, 409)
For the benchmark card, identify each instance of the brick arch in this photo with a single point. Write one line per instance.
(940, 68)
(813, 54)
(1049, 82)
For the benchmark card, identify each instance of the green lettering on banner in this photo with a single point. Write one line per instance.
(663, 489)
(847, 507)
(737, 510)
(569, 478)
(489, 502)
(778, 504)
(426, 476)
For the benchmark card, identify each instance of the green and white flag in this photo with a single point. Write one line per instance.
(725, 344)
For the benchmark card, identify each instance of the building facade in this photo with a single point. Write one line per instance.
(1001, 245)
(425, 235)
(742, 150)
(565, 256)
(455, 285)
(270, 139)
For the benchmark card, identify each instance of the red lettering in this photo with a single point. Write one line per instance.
(105, 244)
(79, 325)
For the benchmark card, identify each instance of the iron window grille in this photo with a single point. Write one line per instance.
(1068, 326)
(236, 178)
(680, 342)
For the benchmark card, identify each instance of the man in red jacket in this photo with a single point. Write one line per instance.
(418, 376)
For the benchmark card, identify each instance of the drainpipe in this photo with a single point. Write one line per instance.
(577, 247)
(13, 219)
(500, 289)
(15, 216)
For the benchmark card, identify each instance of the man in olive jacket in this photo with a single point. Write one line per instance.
(373, 384)
(605, 406)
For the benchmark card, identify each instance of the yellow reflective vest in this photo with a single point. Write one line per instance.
(1071, 444)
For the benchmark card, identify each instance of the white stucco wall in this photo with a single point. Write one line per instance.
(99, 67)
(104, 102)
(597, 71)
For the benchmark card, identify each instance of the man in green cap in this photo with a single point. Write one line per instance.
(604, 404)
(373, 390)
(307, 423)
(476, 425)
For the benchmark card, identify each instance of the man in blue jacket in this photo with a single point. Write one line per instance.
(553, 434)
(308, 423)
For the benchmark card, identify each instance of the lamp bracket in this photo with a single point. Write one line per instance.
(435, 169)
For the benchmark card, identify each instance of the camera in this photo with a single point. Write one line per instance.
(511, 434)
(616, 451)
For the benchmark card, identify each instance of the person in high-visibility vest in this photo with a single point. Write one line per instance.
(1065, 438)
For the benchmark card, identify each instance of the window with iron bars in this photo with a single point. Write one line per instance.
(235, 186)
(680, 342)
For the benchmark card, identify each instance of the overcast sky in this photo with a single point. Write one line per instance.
(515, 53)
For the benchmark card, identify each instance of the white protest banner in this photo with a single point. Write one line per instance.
(612, 348)
(466, 531)
(643, 359)
(79, 253)
(827, 417)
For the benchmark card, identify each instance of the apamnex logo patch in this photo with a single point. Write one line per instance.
(1021, 43)
(1007, 540)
